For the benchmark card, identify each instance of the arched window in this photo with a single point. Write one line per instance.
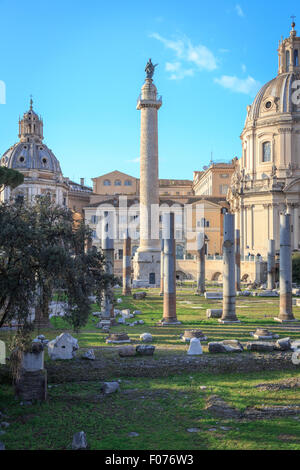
(296, 58)
(287, 60)
(266, 154)
(128, 183)
(118, 183)
(179, 252)
(106, 182)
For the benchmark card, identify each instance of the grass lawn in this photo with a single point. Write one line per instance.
(160, 410)
(191, 311)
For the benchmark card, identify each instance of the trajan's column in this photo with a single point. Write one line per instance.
(146, 262)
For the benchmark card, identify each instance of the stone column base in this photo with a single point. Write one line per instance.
(228, 322)
(279, 320)
(146, 267)
(126, 292)
(32, 385)
(168, 323)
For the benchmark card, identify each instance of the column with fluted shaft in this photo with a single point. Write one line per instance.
(147, 257)
(285, 271)
(229, 294)
(169, 311)
(126, 265)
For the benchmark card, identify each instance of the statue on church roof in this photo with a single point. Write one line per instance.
(150, 69)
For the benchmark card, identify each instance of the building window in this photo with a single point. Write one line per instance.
(266, 152)
(128, 183)
(287, 60)
(296, 58)
(178, 234)
(224, 176)
(179, 252)
(107, 183)
(118, 183)
(223, 189)
(94, 219)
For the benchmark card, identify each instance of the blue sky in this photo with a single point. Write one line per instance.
(83, 62)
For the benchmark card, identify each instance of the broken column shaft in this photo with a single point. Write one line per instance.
(107, 243)
(169, 312)
(285, 281)
(237, 260)
(127, 265)
(162, 268)
(271, 265)
(200, 263)
(229, 294)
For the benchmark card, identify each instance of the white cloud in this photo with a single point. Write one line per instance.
(177, 71)
(199, 56)
(244, 68)
(176, 46)
(134, 160)
(239, 10)
(248, 86)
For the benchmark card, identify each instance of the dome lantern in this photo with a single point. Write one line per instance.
(289, 53)
(31, 126)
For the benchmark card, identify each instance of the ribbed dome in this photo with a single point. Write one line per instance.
(31, 155)
(275, 97)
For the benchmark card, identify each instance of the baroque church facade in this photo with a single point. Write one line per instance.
(40, 167)
(266, 181)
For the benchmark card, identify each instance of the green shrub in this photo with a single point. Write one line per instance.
(296, 267)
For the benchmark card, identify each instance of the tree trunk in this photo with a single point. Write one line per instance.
(42, 310)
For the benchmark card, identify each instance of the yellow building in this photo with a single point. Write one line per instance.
(117, 190)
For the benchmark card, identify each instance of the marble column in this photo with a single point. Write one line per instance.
(107, 243)
(296, 227)
(286, 303)
(237, 261)
(271, 265)
(162, 268)
(126, 265)
(229, 294)
(147, 257)
(200, 263)
(169, 309)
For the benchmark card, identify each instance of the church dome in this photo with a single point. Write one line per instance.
(276, 96)
(280, 95)
(30, 156)
(30, 153)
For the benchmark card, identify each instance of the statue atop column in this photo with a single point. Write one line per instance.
(150, 69)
